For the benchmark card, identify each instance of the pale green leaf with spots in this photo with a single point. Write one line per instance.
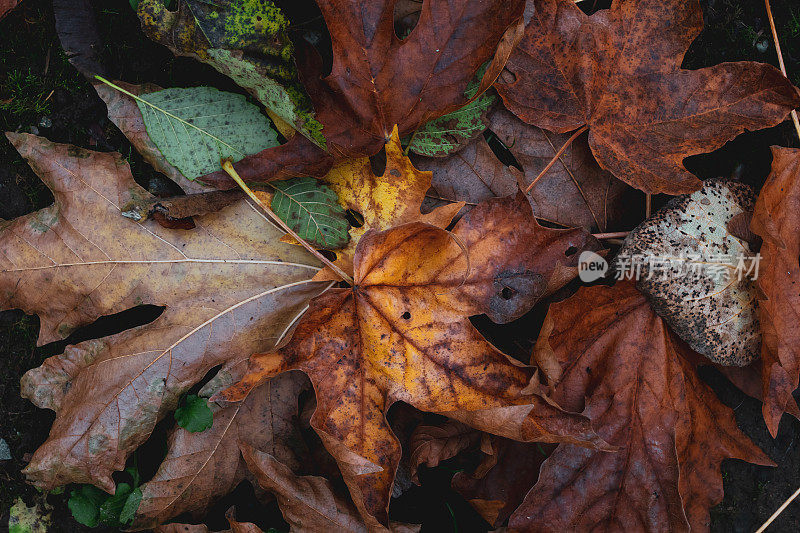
(195, 128)
(312, 210)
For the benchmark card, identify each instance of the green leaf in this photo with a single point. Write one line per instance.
(111, 508)
(449, 133)
(130, 507)
(312, 210)
(195, 128)
(85, 503)
(246, 40)
(195, 415)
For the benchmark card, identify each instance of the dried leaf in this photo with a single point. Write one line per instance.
(171, 212)
(575, 192)
(619, 72)
(201, 467)
(309, 503)
(383, 201)
(776, 219)
(6, 6)
(497, 493)
(402, 333)
(229, 287)
(379, 81)
(690, 270)
(432, 444)
(629, 373)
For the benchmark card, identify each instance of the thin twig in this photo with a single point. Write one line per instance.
(615, 235)
(780, 60)
(556, 157)
(647, 205)
(227, 166)
(775, 515)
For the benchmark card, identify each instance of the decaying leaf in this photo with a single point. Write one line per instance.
(178, 210)
(229, 289)
(431, 445)
(402, 333)
(619, 72)
(628, 372)
(24, 519)
(201, 467)
(575, 192)
(379, 81)
(245, 40)
(309, 503)
(777, 220)
(513, 468)
(312, 210)
(236, 526)
(383, 201)
(449, 133)
(6, 6)
(698, 275)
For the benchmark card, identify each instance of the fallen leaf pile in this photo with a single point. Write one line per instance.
(444, 162)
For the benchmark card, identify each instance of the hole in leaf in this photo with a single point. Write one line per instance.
(508, 77)
(570, 251)
(406, 315)
(354, 218)
(377, 162)
(500, 150)
(329, 255)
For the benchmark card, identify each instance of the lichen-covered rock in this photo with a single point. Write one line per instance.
(697, 274)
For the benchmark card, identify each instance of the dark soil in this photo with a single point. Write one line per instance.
(40, 92)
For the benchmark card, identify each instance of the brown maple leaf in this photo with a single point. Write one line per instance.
(229, 288)
(402, 333)
(630, 374)
(576, 192)
(379, 80)
(776, 219)
(619, 73)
